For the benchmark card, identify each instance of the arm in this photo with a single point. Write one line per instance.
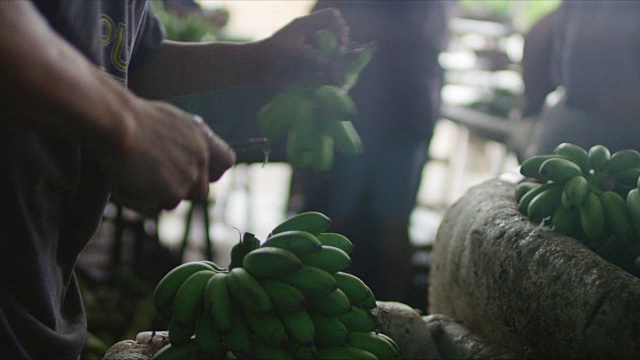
(186, 68)
(50, 87)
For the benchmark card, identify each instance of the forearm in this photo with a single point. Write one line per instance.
(57, 89)
(187, 68)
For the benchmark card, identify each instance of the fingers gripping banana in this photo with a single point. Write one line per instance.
(271, 262)
(311, 221)
(300, 243)
(168, 286)
(336, 240)
(330, 259)
(247, 291)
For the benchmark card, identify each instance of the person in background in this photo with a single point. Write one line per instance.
(595, 69)
(370, 197)
(81, 121)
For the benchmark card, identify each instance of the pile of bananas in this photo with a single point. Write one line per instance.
(286, 298)
(316, 119)
(591, 195)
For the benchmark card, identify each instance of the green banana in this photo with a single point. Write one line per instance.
(266, 351)
(311, 281)
(627, 177)
(327, 42)
(623, 159)
(271, 262)
(268, 327)
(185, 351)
(239, 339)
(299, 326)
(524, 187)
(616, 214)
(372, 342)
(217, 301)
(334, 102)
(599, 156)
(357, 291)
(278, 116)
(545, 203)
(329, 330)
(566, 221)
(573, 191)
(525, 200)
(592, 217)
(180, 334)
(358, 319)
(633, 208)
(247, 291)
(304, 351)
(284, 297)
(166, 289)
(247, 243)
(311, 221)
(576, 154)
(330, 259)
(345, 137)
(215, 266)
(336, 240)
(530, 168)
(300, 243)
(391, 341)
(322, 154)
(298, 155)
(189, 297)
(208, 336)
(334, 303)
(344, 352)
(559, 170)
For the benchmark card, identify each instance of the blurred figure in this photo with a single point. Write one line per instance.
(370, 197)
(595, 68)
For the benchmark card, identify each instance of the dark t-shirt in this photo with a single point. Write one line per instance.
(53, 193)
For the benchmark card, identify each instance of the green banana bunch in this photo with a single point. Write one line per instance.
(591, 195)
(286, 297)
(314, 118)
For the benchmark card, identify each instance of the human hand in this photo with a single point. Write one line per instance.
(290, 52)
(170, 156)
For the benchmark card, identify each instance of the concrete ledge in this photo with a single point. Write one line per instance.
(526, 288)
